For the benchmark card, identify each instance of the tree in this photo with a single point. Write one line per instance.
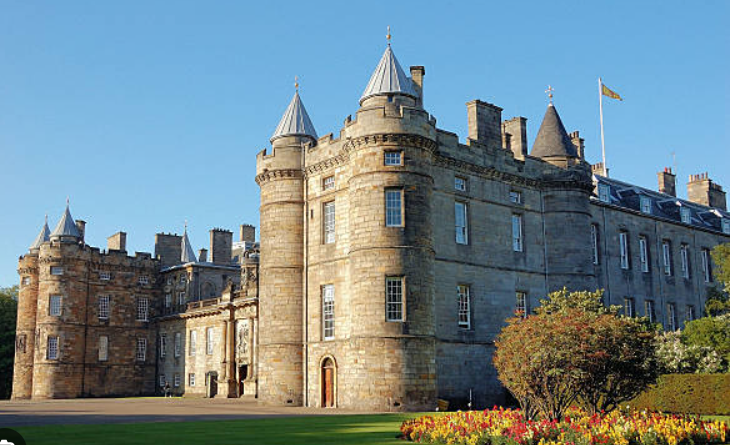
(718, 302)
(712, 333)
(8, 314)
(721, 257)
(574, 349)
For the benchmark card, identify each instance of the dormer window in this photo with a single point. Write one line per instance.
(726, 225)
(685, 215)
(645, 203)
(604, 193)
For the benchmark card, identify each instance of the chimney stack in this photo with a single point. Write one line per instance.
(247, 233)
(514, 132)
(118, 241)
(485, 124)
(168, 248)
(417, 73)
(221, 245)
(597, 169)
(579, 143)
(667, 182)
(203, 255)
(81, 227)
(701, 190)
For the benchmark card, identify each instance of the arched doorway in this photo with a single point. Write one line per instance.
(328, 383)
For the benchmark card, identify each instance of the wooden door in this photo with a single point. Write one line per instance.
(328, 388)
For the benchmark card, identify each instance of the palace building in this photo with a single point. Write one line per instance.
(389, 256)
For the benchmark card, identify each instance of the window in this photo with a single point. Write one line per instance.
(393, 158)
(329, 222)
(163, 345)
(460, 219)
(52, 350)
(191, 379)
(672, 317)
(643, 254)
(176, 380)
(54, 306)
(209, 341)
(143, 304)
(460, 184)
(143, 279)
(604, 193)
(706, 265)
(624, 245)
(193, 343)
(690, 313)
(169, 281)
(684, 257)
(686, 215)
(394, 299)
(464, 298)
(645, 204)
(328, 183)
(168, 301)
(515, 197)
(517, 233)
(103, 348)
(394, 207)
(162, 380)
(141, 349)
(594, 242)
(667, 255)
(183, 279)
(726, 225)
(56, 270)
(181, 299)
(178, 344)
(328, 311)
(26, 281)
(629, 307)
(521, 306)
(649, 310)
(105, 276)
(103, 307)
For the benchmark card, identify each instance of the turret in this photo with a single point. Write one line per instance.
(66, 230)
(552, 143)
(280, 177)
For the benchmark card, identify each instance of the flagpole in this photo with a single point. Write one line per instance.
(603, 143)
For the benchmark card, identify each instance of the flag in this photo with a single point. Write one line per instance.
(607, 92)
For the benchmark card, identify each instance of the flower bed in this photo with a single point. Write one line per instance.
(508, 427)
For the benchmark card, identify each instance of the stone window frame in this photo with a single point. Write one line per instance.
(140, 351)
(391, 211)
(391, 160)
(395, 302)
(672, 319)
(629, 307)
(644, 253)
(328, 182)
(143, 309)
(53, 348)
(55, 305)
(329, 222)
(706, 265)
(57, 270)
(103, 348)
(463, 296)
(178, 344)
(328, 312)
(461, 231)
(594, 244)
(104, 307)
(191, 379)
(522, 304)
(193, 343)
(667, 258)
(163, 345)
(518, 236)
(624, 255)
(461, 183)
(209, 341)
(684, 260)
(649, 310)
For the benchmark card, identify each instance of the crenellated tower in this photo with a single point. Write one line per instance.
(280, 176)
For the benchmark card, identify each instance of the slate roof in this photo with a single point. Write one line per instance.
(187, 254)
(66, 226)
(388, 78)
(663, 206)
(552, 140)
(42, 237)
(295, 121)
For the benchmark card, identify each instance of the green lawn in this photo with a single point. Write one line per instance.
(335, 429)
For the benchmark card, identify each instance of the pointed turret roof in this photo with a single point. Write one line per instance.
(552, 139)
(187, 253)
(295, 121)
(66, 226)
(42, 237)
(388, 78)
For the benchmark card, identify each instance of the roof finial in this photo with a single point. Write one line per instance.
(68, 200)
(296, 83)
(186, 226)
(549, 92)
(388, 36)
(46, 218)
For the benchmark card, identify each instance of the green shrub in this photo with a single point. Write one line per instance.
(687, 393)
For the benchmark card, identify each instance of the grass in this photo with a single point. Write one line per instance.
(335, 429)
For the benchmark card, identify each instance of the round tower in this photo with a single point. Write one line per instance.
(391, 257)
(26, 323)
(280, 177)
(60, 314)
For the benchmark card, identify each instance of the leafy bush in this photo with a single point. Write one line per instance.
(687, 393)
(676, 357)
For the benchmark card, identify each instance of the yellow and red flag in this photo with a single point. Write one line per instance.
(609, 93)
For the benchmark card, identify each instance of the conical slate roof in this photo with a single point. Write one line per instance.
(42, 237)
(66, 226)
(388, 78)
(187, 254)
(552, 139)
(295, 121)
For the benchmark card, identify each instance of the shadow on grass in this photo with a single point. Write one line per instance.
(362, 429)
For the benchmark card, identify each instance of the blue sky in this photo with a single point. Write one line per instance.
(148, 113)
